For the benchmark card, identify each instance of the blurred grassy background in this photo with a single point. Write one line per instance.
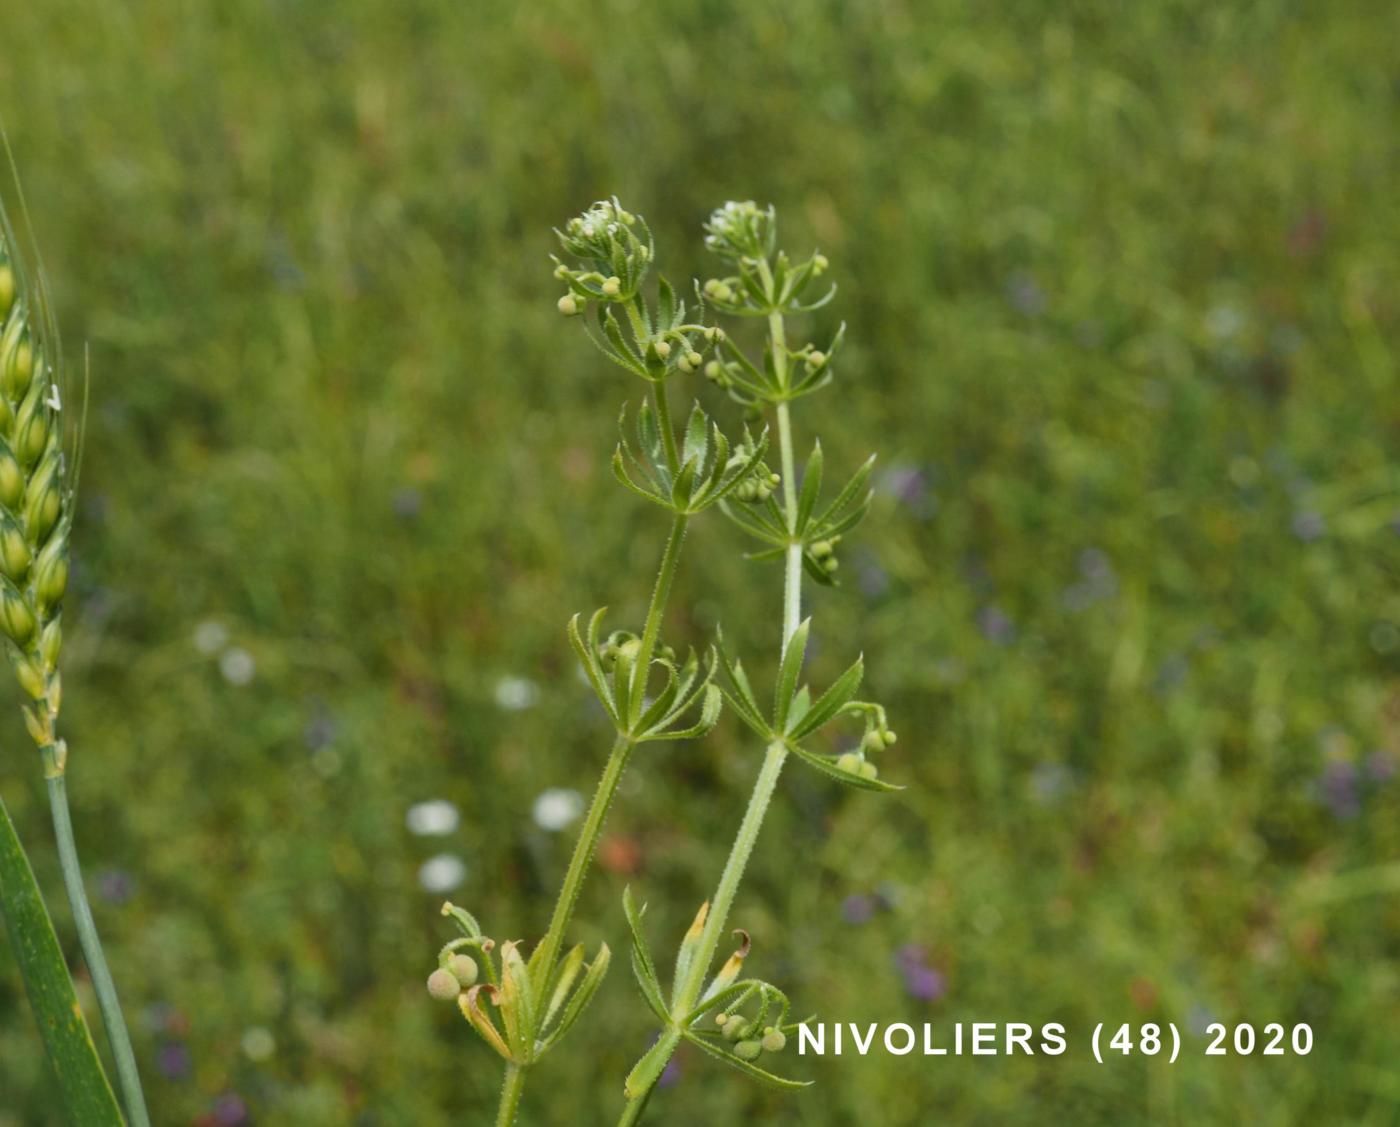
(1121, 284)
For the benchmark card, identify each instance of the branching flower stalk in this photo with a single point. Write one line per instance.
(610, 252)
(36, 517)
(767, 285)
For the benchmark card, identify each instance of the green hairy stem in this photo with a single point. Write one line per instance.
(685, 465)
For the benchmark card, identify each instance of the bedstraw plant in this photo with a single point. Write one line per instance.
(646, 692)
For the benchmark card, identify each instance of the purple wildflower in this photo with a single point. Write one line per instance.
(996, 627)
(173, 1060)
(858, 908)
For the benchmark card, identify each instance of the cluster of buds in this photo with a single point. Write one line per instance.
(749, 1041)
(35, 505)
(533, 1016)
(742, 230)
(616, 250)
(824, 553)
(624, 645)
(455, 972)
(761, 481)
(876, 738)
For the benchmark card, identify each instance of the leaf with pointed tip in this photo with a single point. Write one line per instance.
(642, 967)
(752, 378)
(828, 767)
(747, 518)
(789, 671)
(660, 707)
(623, 352)
(830, 702)
(811, 487)
(517, 1000)
(666, 303)
(563, 982)
(849, 492)
(754, 287)
(812, 306)
(622, 361)
(695, 446)
(767, 554)
(852, 517)
(762, 1075)
(587, 654)
(480, 1021)
(580, 998)
(680, 489)
(649, 433)
(709, 716)
(800, 704)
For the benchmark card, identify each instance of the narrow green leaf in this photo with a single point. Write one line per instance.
(811, 487)
(680, 489)
(695, 445)
(789, 672)
(563, 982)
(583, 995)
(588, 658)
(762, 1075)
(830, 702)
(83, 1088)
(642, 967)
(828, 767)
(709, 716)
(666, 303)
(849, 492)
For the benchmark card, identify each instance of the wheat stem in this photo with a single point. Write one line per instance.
(128, 1078)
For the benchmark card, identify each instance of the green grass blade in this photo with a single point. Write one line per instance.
(83, 1086)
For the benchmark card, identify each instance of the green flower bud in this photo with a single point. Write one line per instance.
(562, 272)
(695, 359)
(662, 348)
(40, 725)
(715, 333)
(868, 770)
(31, 680)
(819, 264)
(612, 286)
(51, 574)
(443, 985)
(43, 500)
(570, 306)
(736, 1028)
(50, 642)
(820, 549)
(830, 565)
(11, 477)
(873, 741)
(463, 969)
(14, 550)
(850, 763)
(748, 1050)
(774, 1040)
(16, 618)
(816, 358)
(721, 1018)
(890, 737)
(18, 369)
(714, 371)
